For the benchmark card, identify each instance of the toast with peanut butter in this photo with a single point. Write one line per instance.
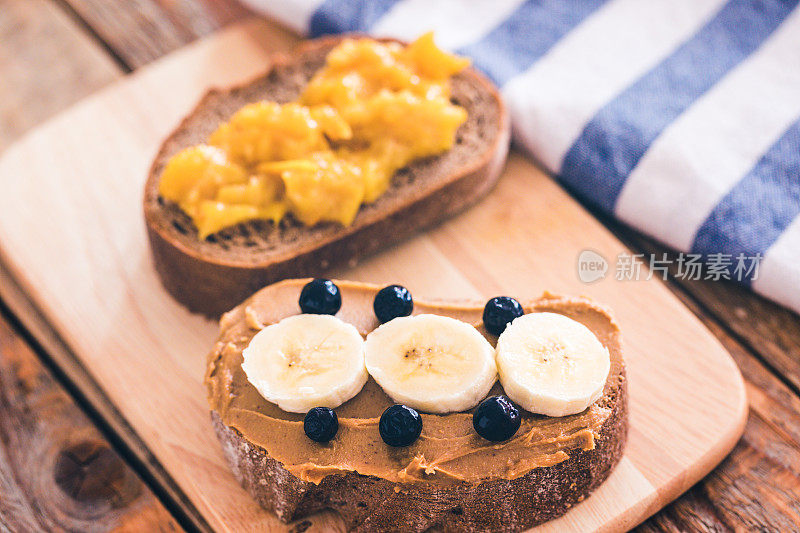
(449, 476)
(213, 249)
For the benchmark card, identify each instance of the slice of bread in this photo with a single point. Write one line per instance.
(211, 276)
(375, 503)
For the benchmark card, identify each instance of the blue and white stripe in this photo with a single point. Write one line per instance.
(680, 117)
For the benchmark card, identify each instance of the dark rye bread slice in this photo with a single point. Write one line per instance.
(211, 276)
(369, 503)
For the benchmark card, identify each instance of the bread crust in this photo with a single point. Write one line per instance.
(369, 503)
(211, 283)
(380, 502)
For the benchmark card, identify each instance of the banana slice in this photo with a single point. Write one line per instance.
(431, 363)
(306, 361)
(551, 365)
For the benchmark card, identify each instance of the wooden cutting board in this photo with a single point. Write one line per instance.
(72, 238)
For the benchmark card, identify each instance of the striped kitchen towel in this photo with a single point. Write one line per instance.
(679, 117)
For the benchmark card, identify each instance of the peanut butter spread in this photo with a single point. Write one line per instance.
(448, 451)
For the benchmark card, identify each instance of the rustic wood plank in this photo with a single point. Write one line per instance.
(198, 18)
(56, 469)
(462, 258)
(757, 487)
(139, 31)
(46, 64)
(768, 329)
(758, 484)
(76, 374)
(765, 327)
(22, 18)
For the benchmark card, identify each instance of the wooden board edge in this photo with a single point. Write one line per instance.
(689, 477)
(35, 320)
(14, 293)
(249, 27)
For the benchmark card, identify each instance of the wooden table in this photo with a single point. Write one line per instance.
(62, 462)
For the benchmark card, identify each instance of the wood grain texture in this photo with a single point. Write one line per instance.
(56, 469)
(79, 378)
(46, 64)
(770, 331)
(10, 292)
(57, 472)
(105, 298)
(757, 486)
(764, 327)
(741, 494)
(139, 31)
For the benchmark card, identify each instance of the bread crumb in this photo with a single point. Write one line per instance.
(226, 320)
(251, 318)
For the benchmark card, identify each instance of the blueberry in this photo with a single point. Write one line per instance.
(499, 312)
(320, 297)
(496, 419)
(321, 424)
(400, 425)
(391, 302)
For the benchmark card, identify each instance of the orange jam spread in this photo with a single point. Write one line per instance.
(372, 109)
